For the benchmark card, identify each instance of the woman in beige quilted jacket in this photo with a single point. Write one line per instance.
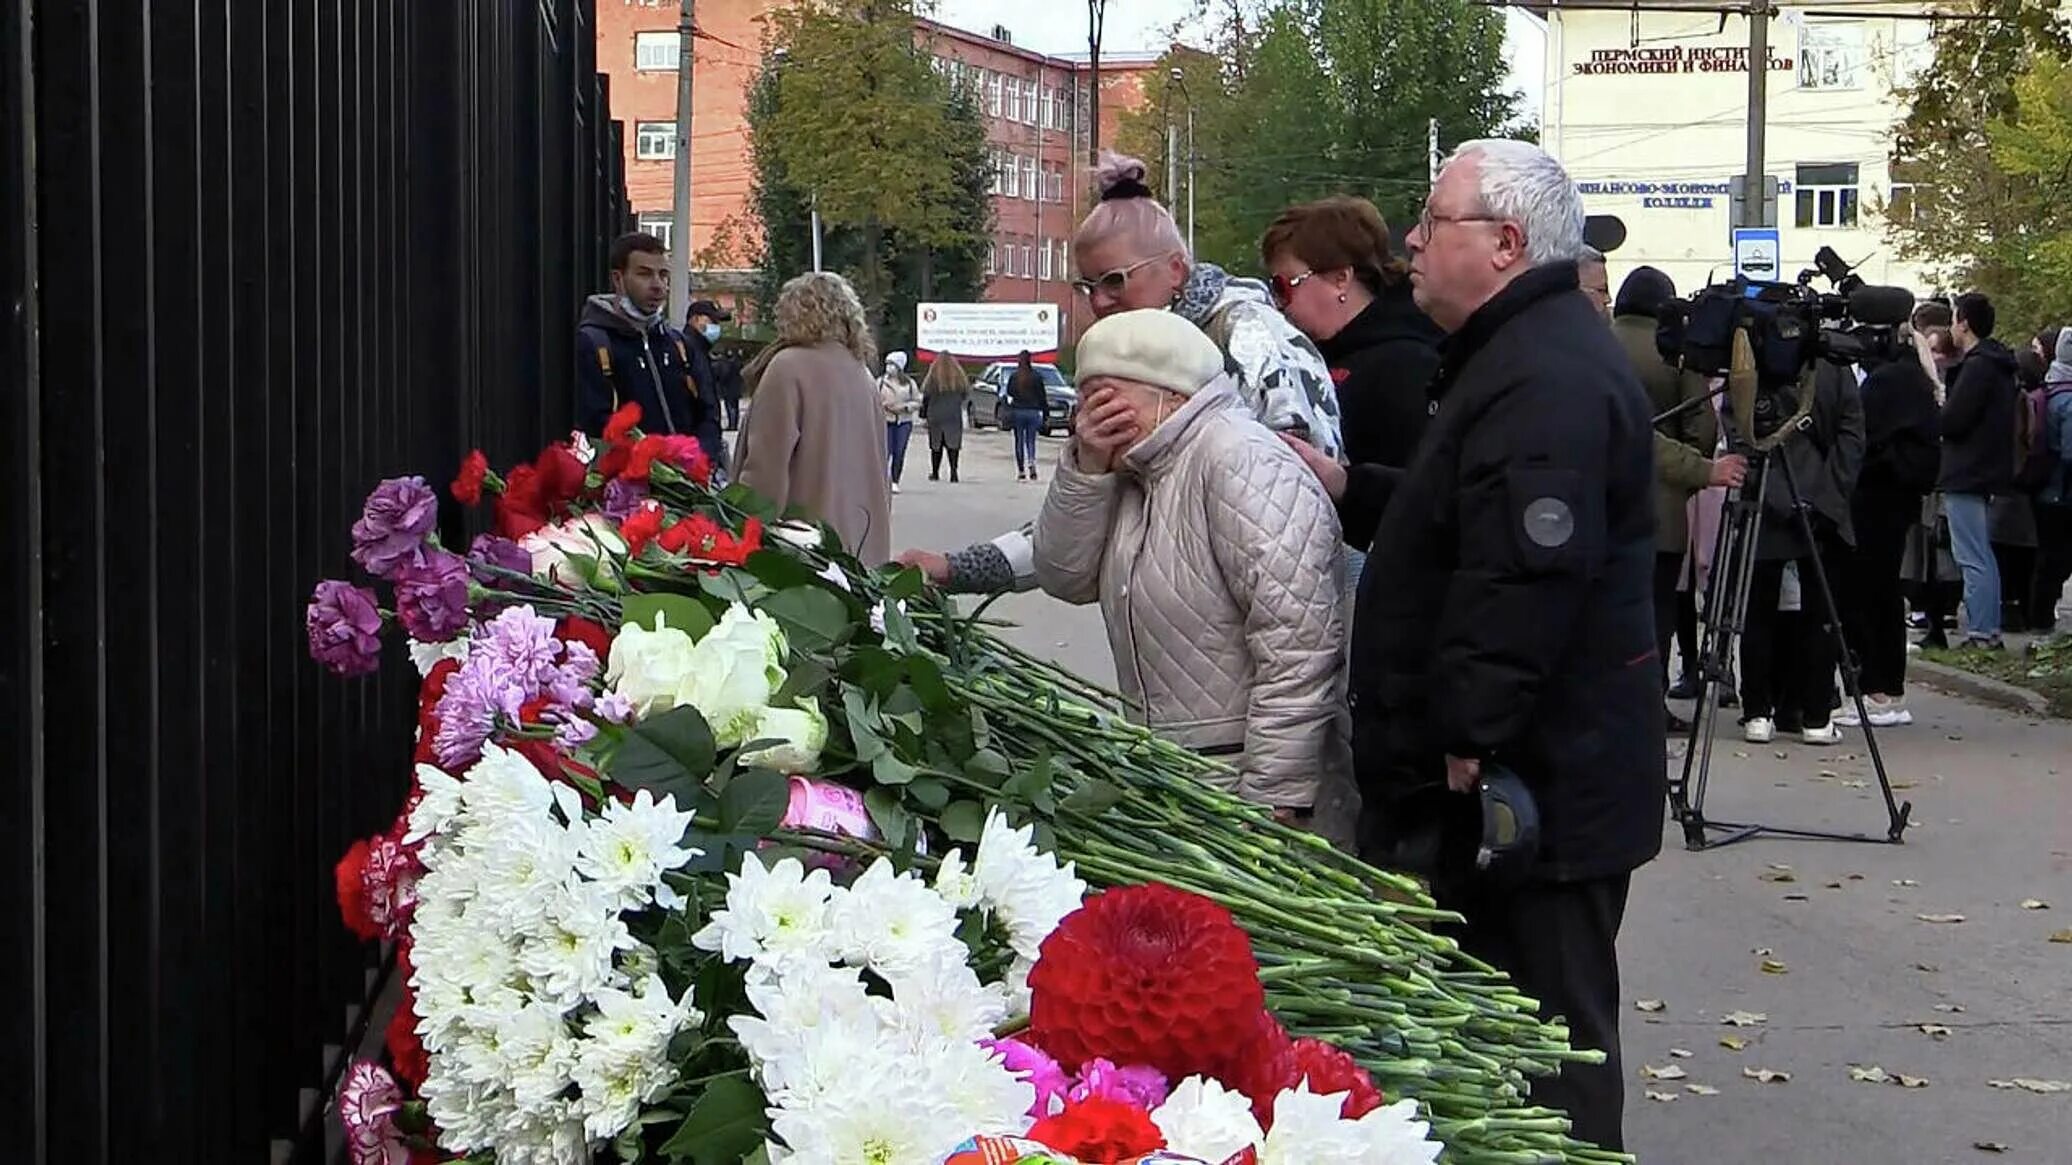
(1216, 559)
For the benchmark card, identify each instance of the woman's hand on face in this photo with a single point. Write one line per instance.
(1328, 471)
(1107, 426)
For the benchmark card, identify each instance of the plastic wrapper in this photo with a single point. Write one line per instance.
(1019, 1151)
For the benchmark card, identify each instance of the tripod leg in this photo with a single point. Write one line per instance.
(1724, 617)
(1896, 813)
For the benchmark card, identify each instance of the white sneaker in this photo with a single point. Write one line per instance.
(1846, 717)
(1890, 715)
(1827, 733)
(1759, 730)
(895, 487)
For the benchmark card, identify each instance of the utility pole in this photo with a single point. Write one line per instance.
(1096, 18)
(1754, 185)
(1190, 168)
(1432, 148)
(680, 242)
(816, 230)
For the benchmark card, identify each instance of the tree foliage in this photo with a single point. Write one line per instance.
(1296, 99)
(1987, 143)
(848, 115)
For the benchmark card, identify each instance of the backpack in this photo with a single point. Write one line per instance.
(2036, 459)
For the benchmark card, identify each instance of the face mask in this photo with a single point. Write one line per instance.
(710, 332)
(650, 318)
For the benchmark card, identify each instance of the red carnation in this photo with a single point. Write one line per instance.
(1099, 1131)
(520, 509)
(1145, 975)
(1330, 1069)
(467, 486)
(576, 629)
(622, 422)
(406, 1051)
(642, 457)
(350, 877)
(643, 527)
(562, 475)
(428, 696)
(687, 456)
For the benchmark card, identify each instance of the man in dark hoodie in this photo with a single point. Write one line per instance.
(626, 351)
(1977, 459)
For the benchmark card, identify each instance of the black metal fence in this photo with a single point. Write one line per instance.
(254, 256)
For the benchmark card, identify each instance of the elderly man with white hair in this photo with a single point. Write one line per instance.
(1503, 637)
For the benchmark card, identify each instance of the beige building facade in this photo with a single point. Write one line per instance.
(1648, 110)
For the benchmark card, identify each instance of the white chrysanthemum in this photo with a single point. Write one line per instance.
(891, 922)
(1308, 1130)
(798, 734)
(942, 1003)
(553, 1136)
(796, 1065)
(956, 883)
(615, 1079)
(538, 1052)
(1395, 1136)
(625, 852)
(809, 1005)
(1016, 985)
(570, 958)
(1201, 1118)
(436, 808)
(777, 914)
(886, 1117)
(470, 1117)
(1027, 889)
(504, 785)
(644, 1020)
(988, 1098)
(426, 656)
(524, 868)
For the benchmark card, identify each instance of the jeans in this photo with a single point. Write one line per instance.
(1027, 423)
(1972, 544)
(897, 434)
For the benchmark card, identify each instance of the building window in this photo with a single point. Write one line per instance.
(1831, 55)
(992, 93)
(654, 141)
(1031, 188)
(1011, 95)
(1028, 262)
(1900, 207)
(995, 159)
(1043, 260)
(657, 52)
(1057, 182)
(1058, 112)
(1029, 103)
(1827, 195)
(657, 223)
(992, 259)
(1010, 176)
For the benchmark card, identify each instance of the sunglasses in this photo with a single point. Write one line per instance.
(1114, 281)
(1283, 286)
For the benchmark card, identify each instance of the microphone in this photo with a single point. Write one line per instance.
(1871, 304)
(1606, 232)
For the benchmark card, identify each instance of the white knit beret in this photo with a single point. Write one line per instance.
(1150, 346)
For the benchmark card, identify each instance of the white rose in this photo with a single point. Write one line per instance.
(733, 673)
(802, 732)
(648, 668)
(587, 537)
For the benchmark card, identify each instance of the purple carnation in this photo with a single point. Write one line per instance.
(514, 659)
(622, 497)
(344, 628)
(432, 597)
(392, 528)
(501, 553)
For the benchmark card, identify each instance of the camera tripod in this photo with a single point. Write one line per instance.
(1725, 619)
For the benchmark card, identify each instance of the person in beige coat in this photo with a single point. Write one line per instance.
(1215, 557)
(814, 436)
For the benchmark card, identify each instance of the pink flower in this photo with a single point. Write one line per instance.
(1036, 1068)
(390, 877)
(1135, 1085)
(368, 1101)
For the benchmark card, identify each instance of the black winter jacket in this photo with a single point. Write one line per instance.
(1825, 454)
(617, 360)
(1978, 422)
(1506, 614)
(1382, 362)
(1902, 433)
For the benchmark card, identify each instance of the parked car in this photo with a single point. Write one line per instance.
(1061, 402)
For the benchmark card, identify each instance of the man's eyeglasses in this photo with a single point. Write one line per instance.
(1114, 282)
(1429, 220)
(1284, 286)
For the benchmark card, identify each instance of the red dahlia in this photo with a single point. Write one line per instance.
(1099, 1131)
(1145, 975)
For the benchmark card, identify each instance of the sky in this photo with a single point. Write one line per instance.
(1140, 25)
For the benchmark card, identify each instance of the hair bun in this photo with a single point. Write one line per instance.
(1120, 176)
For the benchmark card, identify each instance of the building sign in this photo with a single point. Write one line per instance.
(1675, 58)
(1668, 195)
(981, 331)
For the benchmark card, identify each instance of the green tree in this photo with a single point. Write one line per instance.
(849, 116)
(1296, 99)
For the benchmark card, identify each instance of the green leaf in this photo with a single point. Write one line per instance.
(681, 612)
(988, 767)
(813, 617)
(803, 680)
(928, 684)
(862, 718)
(1093, 799)
(874, 669)
(754, 802)
(669, 753)
(1033, 781)
(888, 815)
(930, 793)
(780, 571)
(733, 585)
(899, 630)
(907, 584)
(750, 502)
(964, 821)
(888, 769)
(724, 1126)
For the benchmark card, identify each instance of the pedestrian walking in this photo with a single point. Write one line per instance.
(702, 320)
(2054, 503)
(900, 399)
(946, 401)
(815, 438)
(1504, 627)
(1977, 458)
(626, 352)
(1215, 558)
(1026, 400)
(727, 371)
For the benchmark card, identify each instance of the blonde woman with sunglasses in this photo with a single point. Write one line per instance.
(1131, 255)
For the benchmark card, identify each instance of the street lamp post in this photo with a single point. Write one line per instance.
(1177, 79)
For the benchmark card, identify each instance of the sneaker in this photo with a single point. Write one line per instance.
(1892, 715)
(1827, 733)
(1032, 475)
(1984, 643)
(1685, 688)
(1846, 716)
(895, 487)
(1728, 697)
(1759, 730)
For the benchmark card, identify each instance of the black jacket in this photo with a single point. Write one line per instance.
(1506, 614)
(1382, 362)
(1825, 454)
(1902, 433)
(617, 360)
(1978, 422)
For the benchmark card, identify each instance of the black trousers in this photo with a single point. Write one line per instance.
(1559, 942)
(2053, 564)
(1873, 611)
(1668, 568)
(1788, 657)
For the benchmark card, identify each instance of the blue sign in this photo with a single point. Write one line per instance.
(1758, 253)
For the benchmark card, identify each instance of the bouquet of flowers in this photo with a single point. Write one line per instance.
(721, 847)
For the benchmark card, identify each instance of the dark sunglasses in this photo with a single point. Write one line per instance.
(1284, 286)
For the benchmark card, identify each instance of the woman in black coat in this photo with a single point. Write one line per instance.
(1902, 455)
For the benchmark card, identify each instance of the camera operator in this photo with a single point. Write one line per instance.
(1825, 455)
(1503, 633)
(1683, 446)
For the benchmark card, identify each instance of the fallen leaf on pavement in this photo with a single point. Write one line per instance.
(1741, 754)
(2062, 936)
(1680, 1053)
(1931, 968)
(1904, 882)
(1795, 898)
(1949, 1007)
(2035, 904)
(1937, 1030)
(1989, 1146)
(1906, 784)
(1701, 1090)
(1669, 1072)
(1732, 1043)
(1856, 877)
(1767, 1075)
(1743, 1018)
(1870, 1075)
(2027, 1084)
(1649, 1005)
(1834, 885)
(1856, 784)
(1906, 1081)
(1664, 1097)
(1778, 875)
(1940, 917)
(1828, 775)
(1775, 967)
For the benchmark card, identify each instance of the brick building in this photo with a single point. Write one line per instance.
(1036, 113)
